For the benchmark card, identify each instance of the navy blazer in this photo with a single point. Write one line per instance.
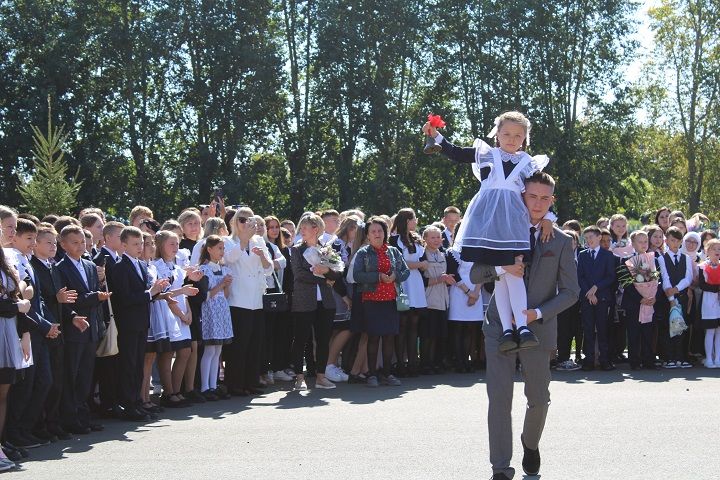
(87, 304)
(39, 317)
(131, 296)
(599, 272)
(104, 257)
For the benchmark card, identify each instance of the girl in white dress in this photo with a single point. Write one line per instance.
(496, 228)
(410, 244)
(709, 277)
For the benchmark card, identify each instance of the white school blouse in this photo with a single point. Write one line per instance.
(248, 284)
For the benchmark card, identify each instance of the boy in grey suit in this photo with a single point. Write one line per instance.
(551, 279)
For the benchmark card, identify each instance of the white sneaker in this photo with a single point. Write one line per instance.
(335, 374)
(670, 365)
(716, 364)
(324, 383)
(709, 363)
(281, 376)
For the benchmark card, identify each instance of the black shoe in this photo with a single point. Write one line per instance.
(77, 429)
(255, 391)
(29, 441)
(221, 394)
(238, 392)
(621, 359)
(12, 454)
(527, 338)
(209, 396)
(194, 397)
(356, 379)
(134, 415)
(59, 432)
(531, 459)
(508, 342)
(652, 366)
(23, 453)
(500, 476)
(44, 435)
(588, 367)
(607, 367)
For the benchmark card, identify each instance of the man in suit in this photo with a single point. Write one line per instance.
(82, 327)
(132, 296)
(596, 276)
(54, 295)
(106, 368)
(551, 278)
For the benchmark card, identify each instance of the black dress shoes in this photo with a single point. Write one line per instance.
(500, 476)
(531, 459)
(96, 427)
(607, 367)
(77, 429)
(59, 432)
(135, 415)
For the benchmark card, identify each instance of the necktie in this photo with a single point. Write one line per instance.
(592, 255)
(676, 259)
(532, 238)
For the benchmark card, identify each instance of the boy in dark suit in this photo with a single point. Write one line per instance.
(677, 275)
(26, 400)
(106, 368)
(82, 326)
(596, 275)
(132, 296)
(54, 295)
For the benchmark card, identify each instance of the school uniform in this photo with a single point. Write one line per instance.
(676, 269)
(80, 346)
(106, 368)
(50, 284)
(596, 267)
(570, 326)
(132, 298)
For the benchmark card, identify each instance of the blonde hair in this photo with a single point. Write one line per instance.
(616, 218)
(711, 243)
(638, 233)
(161, 238)
(430, 228)
(241, 212)
(140, 210)
(514, 117)
(314, 221)
(213, 226)
(347, 224)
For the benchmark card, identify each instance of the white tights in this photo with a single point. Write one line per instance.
(209, 367)
(511, 300)
(712, 338)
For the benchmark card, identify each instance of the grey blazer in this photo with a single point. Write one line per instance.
(305, 283)
(552, 286)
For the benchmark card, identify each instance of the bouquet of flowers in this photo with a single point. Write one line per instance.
(640, 272)
(677, 322)
(326, 257)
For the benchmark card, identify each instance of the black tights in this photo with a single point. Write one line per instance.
(388, 348)
(408, 338)
(4, 389)
(464, 334)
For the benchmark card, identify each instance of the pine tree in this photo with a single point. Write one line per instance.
(48, 190)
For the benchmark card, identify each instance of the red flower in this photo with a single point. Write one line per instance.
(436, 121)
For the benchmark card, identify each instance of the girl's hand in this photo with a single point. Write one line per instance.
(546, 230)
(195, 275)
(190, 291)
(258, 251)
(227, 280)
(471, 301)
(25, 345)
(23, 306)
(320, 270)
(448, 279)
(429, 130)
(424, 265)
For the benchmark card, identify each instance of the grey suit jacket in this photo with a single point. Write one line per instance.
(552, 286)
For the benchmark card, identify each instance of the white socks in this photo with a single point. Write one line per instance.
(511, 300)
(209, 366)
(712, 340)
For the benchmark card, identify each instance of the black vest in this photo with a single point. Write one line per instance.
(675, 272)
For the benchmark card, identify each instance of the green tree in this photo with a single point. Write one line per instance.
(48, 190)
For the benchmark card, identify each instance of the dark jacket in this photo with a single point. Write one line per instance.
(304, 294)
(366, 273)
(600, 272)
(87, 303)
(50, 283)
(131, 296)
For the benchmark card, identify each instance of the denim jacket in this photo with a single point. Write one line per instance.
(365, 271)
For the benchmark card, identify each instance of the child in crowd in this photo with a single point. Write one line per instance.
(496, 229)
(216, 325)
(677, 276)
(709, 279)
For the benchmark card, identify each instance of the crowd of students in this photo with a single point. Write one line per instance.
(105, 320)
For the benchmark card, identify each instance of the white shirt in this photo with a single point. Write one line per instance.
(81, 270)
(686, 280)
(327, 238)
(136, 263)
(248, 285)
(113, 253)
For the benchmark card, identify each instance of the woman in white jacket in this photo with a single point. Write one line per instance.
(249, 261)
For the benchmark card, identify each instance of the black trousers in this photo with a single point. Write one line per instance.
(26, 400)
(242, 356)
(56, 351)
(79, 363)
(108, 381)
(595, 324)
(320, 322)
(282, 328)
(640, 339)
(676, 346)
(569, 325)
(131, 345)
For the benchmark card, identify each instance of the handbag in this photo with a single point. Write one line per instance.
(275, 302)
(108, 346)
(401, 299)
